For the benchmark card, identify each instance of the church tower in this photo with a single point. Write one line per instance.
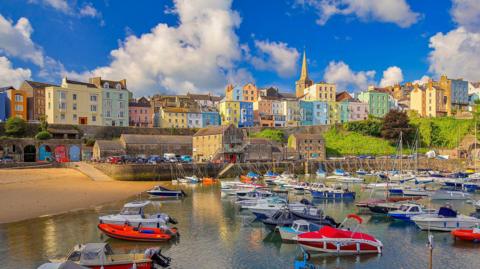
(303, 82)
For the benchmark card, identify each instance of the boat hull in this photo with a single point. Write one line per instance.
(165, 194)
(340, 246)
(444, 225)
(150, 235)
(140, 265)
(467, 235)
(332, 195)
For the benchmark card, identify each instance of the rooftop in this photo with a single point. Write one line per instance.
(155, 139)
(214, 130)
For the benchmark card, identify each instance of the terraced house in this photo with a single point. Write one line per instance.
(115, 98)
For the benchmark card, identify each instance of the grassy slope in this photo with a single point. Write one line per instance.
(340, 142)
(444, 132)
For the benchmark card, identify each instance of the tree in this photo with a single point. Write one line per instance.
(394, 123)
(43, 135)
(15, 126)
(43, 123)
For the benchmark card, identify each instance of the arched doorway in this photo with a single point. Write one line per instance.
(29, 153)
(74, 153)
(2, 152)
(61, 154)
(45, 153)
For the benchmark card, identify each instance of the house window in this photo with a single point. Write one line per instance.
(18, 108)
(93, 108)
(62, 116)
(108, 95)
(94, 118)
(122, 105)
(49, 106)
(120, 96)
(93, 98)
(18, 98)
(121, 115)
(74, 106)
(108, 114)
(74, 96)
(63, 95)
(119, 87)
(75, 117)
(62, 106)
(106, 85)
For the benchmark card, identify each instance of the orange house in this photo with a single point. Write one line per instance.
(18, 103)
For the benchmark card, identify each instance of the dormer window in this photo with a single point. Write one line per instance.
(106, 85)
(118, 86)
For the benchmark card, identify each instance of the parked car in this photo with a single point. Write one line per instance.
(155, 159)
(114, 160)
(186, 159)
(7, 159)
(128, 159)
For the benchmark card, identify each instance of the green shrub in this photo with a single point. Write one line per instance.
(43, 135)
(341, 143)
(15, 126)
(371, 127)
(270, 134)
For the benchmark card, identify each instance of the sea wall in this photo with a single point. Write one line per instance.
(169, 171)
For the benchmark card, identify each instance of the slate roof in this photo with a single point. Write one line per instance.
(214, 130)
(90, 85)
(39, 85)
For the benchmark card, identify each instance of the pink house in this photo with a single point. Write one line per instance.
(357, 111)
(140, 113)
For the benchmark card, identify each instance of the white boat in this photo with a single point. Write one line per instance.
(193, 179)
(477, 204)
(134, 214)
(450, 195)
(253, 195)
(406, 211)
(289, 234)
(263, 211)
(382, 186)
(348, 179)
(401, 177)
(446, 219)
(417, 192)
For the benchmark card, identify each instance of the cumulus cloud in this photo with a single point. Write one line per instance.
(391, 76)
(423, 80)
(466, 13)
(392, 11)
(341, 74)
(455, 54)
(60, 5)
(276, 56)
(15, 41)
(199, 54)
(12, 76)
(88, 10)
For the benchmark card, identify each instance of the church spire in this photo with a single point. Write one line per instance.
(304, 73)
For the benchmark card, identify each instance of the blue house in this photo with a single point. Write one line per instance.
(306, 113)
(459, 92)
(320, 113)
(246, 114)
(4, 104)
(210, 118)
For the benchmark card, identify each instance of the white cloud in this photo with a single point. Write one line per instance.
(455, 54)
(10, 76)
(341, 74)
(88, 10)
(15, 41)
(423, 80)
(391, 76)
(199, 54)
(60, 5)
(276, 56)
(467, 14)
(392, 11)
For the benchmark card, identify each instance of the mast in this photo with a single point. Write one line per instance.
(401, 152)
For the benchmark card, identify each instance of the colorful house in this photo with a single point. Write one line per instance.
(194, 119)
(320, 113)
(17, 101)
(233, 93)
(321, 92)
(246, 114)
(250, 93)
(343, 112)
(357, 110)
(210, 118)
(35, 98)
(223, 143)
(115, 98)
(428, 100)
(306, 113)
(4, 104)
(173, 117)
(140, 113)
(229, 112)
(379, 103)
(74, 103)
(291, 108)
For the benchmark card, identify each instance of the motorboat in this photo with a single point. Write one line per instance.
(313, 214)
(193, 179)
(450, 195)
(361, 172)
(270, 174)
(321, 173)
(300, 186)
(253, 195)
(133, 213)
(467, 234)
(406, 211)
(289, 233)
(101, 255)
(446, 219)
(61, 265)
(382, 186)
(333, 194)
(391, 199)
(383, 208)
(341, 240)
(160, 191)
(130, 233)
(267, 210)
(401, 177)
(409, 191)
(285, 217)
(340, 172)
(349, 179)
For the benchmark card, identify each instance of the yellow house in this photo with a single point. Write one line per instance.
(229, 112)
(321, 92)
(173, 117)
(429, 101)
(73, 103)
(417, 100)
(206, 143)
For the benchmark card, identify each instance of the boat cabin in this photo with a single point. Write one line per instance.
(410, 208)
(303, 226)
(90, 254)
(447, 212)
(134, 208)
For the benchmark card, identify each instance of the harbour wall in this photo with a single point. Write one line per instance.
(168, 171)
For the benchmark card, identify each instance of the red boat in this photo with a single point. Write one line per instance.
(340, 240)
(467, 235)
(246, 179)
(130, 233)
(100, 255)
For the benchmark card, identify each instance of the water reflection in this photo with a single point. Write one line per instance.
(215, 234)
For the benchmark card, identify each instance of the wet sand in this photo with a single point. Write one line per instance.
(30, 193)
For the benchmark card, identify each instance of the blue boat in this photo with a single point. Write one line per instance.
(270, 174)
(160, 191)
(396, 191)
(321, 173)
(406, 211)
(333, 194)
(340, 172)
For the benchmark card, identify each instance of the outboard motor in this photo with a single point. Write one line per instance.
(172, 220)
(157, 258)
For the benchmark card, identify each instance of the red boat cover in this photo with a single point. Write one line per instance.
(331, 232)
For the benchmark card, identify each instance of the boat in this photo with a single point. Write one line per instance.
(321, 173)
(253, 195)
(208, 180)
(366, 203)
(349, 179)
(130, 233)
(406, 211)
(409, 191)
(289, 234)
(341, 240)
(61, 265)
(101, 256)
(450, 195)
(446, 219)
(383, 208)
(193, 179)
(285, 217)
(270, 175)
(267, 210)
(333, 194)
(401, 178)
(361, 172)
(160, 191)
(313, 214)
(133, 213)
(340, 172)
(467, 234)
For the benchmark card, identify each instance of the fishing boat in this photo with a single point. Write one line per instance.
(446, 219)
(144, 234)
(467, 234)
(406, 211)
(450, 195)
(101, 255)
(341, 240)
(160, 191)
(134, 214)
(349, 179)
(289, 234)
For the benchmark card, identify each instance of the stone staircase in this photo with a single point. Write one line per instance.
(225, 170)
(92, 172)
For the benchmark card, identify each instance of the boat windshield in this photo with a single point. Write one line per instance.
(131, 211)
(404, 208)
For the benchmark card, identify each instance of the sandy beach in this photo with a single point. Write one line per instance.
(30, 193)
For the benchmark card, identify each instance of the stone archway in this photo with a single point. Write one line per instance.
(2, 151)
(29, 153)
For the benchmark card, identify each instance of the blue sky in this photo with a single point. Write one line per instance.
(200, 45)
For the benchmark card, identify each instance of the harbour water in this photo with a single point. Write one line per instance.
(216, 234)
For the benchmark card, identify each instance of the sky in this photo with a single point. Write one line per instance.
(180, 46)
